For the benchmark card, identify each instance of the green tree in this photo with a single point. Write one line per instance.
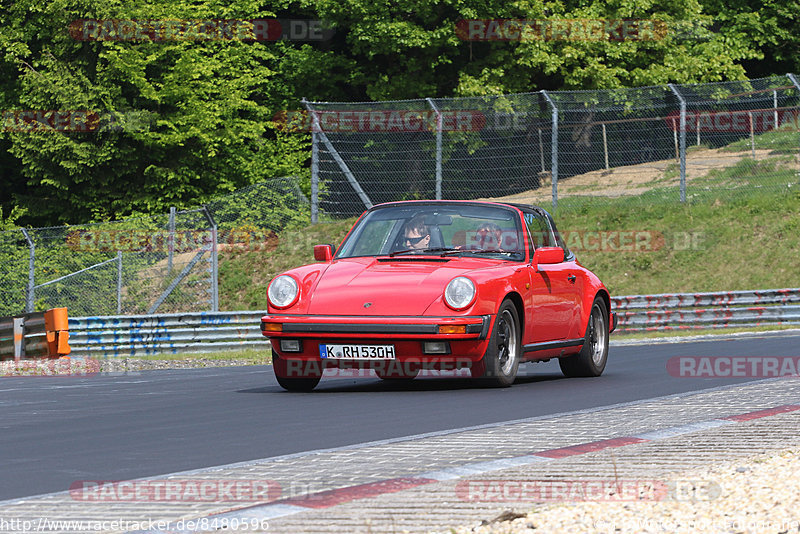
(178, 121)
(770, 26)
(411, 48)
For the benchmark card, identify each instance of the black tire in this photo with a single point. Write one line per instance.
(591, 360)
(301, 384)
(499, 365)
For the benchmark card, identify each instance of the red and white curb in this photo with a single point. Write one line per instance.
(330, 498)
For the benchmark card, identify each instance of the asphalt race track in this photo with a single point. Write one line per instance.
(55, 431)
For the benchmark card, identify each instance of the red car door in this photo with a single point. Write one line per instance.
(555, 289)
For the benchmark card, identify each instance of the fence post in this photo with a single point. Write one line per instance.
(683, 139)
(697, 125)
(605, 145)
(119, 282)
(314, 177)
(171, 238)
(336, 157)
(541, 152)
(29, 294)
(214, 261)
(675, 140)
(752, 134)
(775, 105)
(438, 149)
(797, 85)
(553, 149)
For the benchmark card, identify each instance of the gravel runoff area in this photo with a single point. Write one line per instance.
(761, 495)
(81, 366)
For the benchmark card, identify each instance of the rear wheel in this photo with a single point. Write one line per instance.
(499, 365)
(296, 376)
(591, 360)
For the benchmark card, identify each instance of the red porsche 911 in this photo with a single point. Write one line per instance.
(439, 285)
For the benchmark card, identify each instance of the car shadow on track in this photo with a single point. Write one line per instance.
(365, 385)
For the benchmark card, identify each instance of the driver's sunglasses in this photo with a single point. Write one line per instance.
(414, 240)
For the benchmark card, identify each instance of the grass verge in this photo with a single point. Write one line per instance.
(247, 357)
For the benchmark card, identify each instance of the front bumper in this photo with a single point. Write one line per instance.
(467, 336)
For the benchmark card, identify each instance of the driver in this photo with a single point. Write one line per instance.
(416, 234)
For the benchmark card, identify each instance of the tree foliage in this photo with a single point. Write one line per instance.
(177, 122)
(182, 121)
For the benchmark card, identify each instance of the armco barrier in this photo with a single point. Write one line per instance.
(35, 335)
(682, 311)
(141, 335)
(137, 335)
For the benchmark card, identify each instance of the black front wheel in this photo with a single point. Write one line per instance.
(501, 361)
(296, 376)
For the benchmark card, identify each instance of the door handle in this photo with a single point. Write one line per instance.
(571, 278)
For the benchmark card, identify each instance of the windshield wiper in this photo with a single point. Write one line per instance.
(435, 249)
(484, 251)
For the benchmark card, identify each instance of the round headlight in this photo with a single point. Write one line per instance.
(459, 293)
(282, 291)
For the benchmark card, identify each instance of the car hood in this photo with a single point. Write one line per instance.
(369, 286)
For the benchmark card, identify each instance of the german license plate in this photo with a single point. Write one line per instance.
(357, 352)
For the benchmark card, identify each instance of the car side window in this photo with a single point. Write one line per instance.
(539, 230)
(568, 256)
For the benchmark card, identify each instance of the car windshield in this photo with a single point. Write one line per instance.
(445, 229)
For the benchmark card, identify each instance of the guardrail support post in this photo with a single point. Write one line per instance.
(683, 139)
(553, 149)
(19, 338)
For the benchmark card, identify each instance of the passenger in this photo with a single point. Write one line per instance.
(489, 237)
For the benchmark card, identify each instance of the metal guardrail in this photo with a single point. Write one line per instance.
(727, 309)
(35, 335)
(141, 335)
(138, 335)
